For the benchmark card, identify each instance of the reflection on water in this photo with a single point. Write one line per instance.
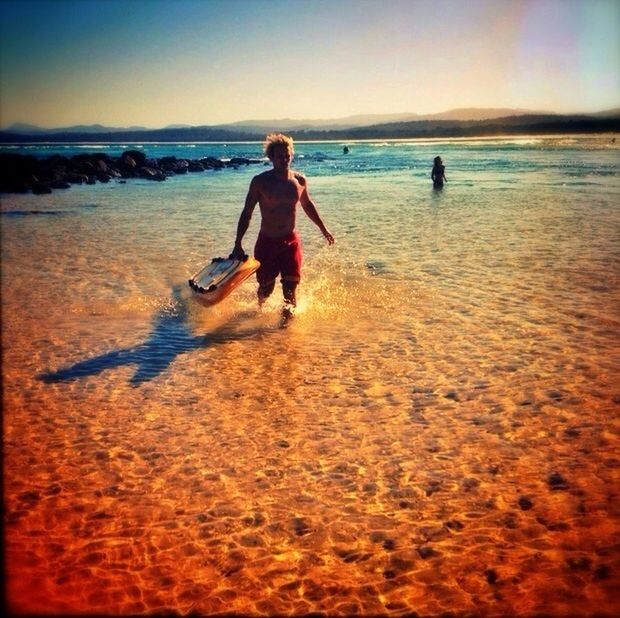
(436, 431)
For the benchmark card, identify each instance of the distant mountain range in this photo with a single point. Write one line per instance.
(30, 129)
(454, 123)
(365, 120)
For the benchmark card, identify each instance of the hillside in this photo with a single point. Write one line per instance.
(437, 125)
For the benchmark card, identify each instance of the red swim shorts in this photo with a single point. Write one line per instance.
(278, 256)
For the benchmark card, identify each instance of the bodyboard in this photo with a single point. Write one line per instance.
(220, 277)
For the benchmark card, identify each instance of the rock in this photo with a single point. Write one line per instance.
(181, 167)
(76, 178)
(301, 526)
(239, 161)
(212, 163)
(400, 564)
(389, 544)
(30, 496)
(151, 174)
(195, 166)
(255, 520)
(510, 521)
(426, 552)
(127, 166)
(601, 572)
(60, 184)
(83, 166)
(137, 156)
(377, 536)
(491, 576)
(431, 533)
(555, 395)
(557, 481)
(55, 161)
(432, 487)
(14, 186)
(580, 563)
(251, 540)
(174, 165)
(40, 188)
(470, 483)
(22, 173)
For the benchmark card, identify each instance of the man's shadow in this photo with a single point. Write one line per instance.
(171, 337)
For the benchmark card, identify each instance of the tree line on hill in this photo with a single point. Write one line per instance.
(531, 124)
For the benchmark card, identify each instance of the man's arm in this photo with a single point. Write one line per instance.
(244, 220)
(310, 209)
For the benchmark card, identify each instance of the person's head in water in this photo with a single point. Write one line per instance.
(279, 150)
(437, 161)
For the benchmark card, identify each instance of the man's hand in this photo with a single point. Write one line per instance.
(328, 236)
(237, 253)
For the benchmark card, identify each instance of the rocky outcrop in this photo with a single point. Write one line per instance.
(26, 173)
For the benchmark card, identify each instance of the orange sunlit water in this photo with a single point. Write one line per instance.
(437, 433)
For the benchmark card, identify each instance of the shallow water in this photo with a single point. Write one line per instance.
(436, 431)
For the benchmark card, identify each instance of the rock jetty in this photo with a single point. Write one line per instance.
(26, 173)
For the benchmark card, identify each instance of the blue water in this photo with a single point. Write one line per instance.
(568, 158)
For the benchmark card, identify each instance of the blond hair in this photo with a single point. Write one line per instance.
(278, 139)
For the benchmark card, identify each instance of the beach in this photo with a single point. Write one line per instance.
(435, 432)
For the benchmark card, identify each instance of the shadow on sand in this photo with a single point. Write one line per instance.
(171, 337)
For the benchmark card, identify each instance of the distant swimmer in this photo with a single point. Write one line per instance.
(278, 248)
(438, 174)
(345, 150)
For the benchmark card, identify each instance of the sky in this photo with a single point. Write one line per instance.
(154, 63)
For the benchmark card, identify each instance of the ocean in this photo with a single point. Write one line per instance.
(436, 431)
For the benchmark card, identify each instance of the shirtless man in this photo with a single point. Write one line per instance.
(278, 246)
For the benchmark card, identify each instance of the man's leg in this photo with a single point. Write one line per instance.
(288, 290)
(265, 290)
(290, 301)
(291, 273)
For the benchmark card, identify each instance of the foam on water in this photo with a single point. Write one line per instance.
(435, 431)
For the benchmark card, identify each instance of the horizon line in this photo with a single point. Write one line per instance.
(179, 125)
(387, 140)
